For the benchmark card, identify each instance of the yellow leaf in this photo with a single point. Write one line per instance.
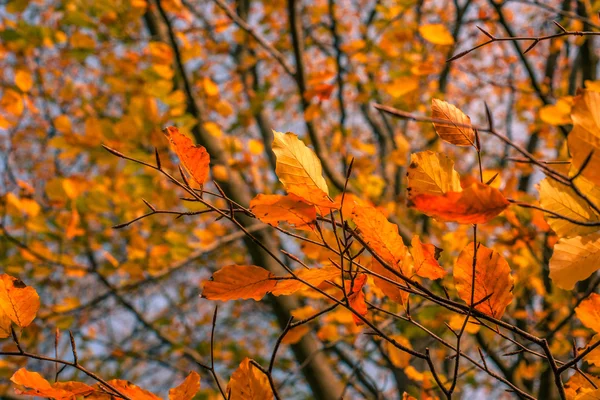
(5, 324)
(588, 312)
(239, 282)
(392, 285)
(80, 40)
(23, 80)
(584, 138)
(19, 301)
(559, 113)
(62, 123)
(213, 129)
(562, 200)
(12, 103)
(457, 321)
(194, 158)
(210, 88)
(477, 204)
(574, 259)
(248, 383)
(593, 356)
(296, 334)
(492, 278)
(457, 130)
(401, 86)
(436, 34)
(187, 389)
(425, 259)
(297, 165)
(399, 358)
(432, 173)
(314, 277)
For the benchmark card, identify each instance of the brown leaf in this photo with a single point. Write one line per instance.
(194, 158)
(492, 278)
(239, 282)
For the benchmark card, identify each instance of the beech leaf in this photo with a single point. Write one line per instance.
(239, 282)
(194, 158)
(18, 301)
(457, 129)
(248, 383)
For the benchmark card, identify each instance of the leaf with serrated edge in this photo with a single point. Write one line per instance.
(457, 129)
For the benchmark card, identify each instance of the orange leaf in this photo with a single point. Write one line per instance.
(132, 391)
(38, 385)
(19, 301)
(194, 158)
(5, 324)
(425, 258)
(492, 280)
(187, 389)
(248, 383)
(356, 297)
(390, 289)
(380, 235)
(239, 282)
(295, 334)
(273, 209)
(477, 204)
(588, 312)
(457, 130)
(314, 276)
(315, 197)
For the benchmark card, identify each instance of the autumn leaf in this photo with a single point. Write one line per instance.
(584, 138)
(380, 235)
(562, 200)
(5, 324)
(588, 312)
(194, 158)
(425, 258)
(132, 391)
(574, 259)
(38, 386)
(432, 173)
(477, 204)
(356, 297)
(295, 334)
(392, 285)
(436, 34)
(313, 276)
(248, 383)
(493, 280)
(239, 282)
(297, 165)
(273, 209)
(593, 357)
(457, 130)
(399, 358)
(18, 301)
(187, 389)
(23, 80)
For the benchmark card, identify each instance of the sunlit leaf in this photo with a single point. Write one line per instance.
(273, 209)
(187, 389)
(313, 276)
(457, 130)
(432, 173)
(588, 312)
(248, 383)
(356, 297)
(18, 301)
(436, 34)
(584, 138)
(194, 158)
(493, 280)
(425, 258)
(239, 282)
(38, 386)
(574, 259)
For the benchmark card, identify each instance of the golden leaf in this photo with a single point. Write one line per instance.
(273, 209)
(588, 312)
(457, 129)
(436, 34)
(187, 389)
(38, 386)
(574, 259)
(314, 277)
(425, 258)
(492, 280)
(432, 173)
(239, 282)
(194, 158)
(584, 138)
(19, 301)
(248, 383)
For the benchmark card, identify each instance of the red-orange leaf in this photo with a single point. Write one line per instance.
(239, 282)
(493, 280)
(273, 209)
(425, 258)
(314, 276)
(187, 389)
(391, 286)
(477, 204)
(38, 385)
(18, 301)
(194, 158)
(356, 297)
(132, 391)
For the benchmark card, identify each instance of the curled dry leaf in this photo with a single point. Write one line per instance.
(574, 259)
(477, 204)
(239, 282)
(18, 301)
(194, 158)
(457, 128)
(273, 209)
(493, 280)
(248, 383)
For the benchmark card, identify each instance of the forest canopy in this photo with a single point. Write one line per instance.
(354, 199)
